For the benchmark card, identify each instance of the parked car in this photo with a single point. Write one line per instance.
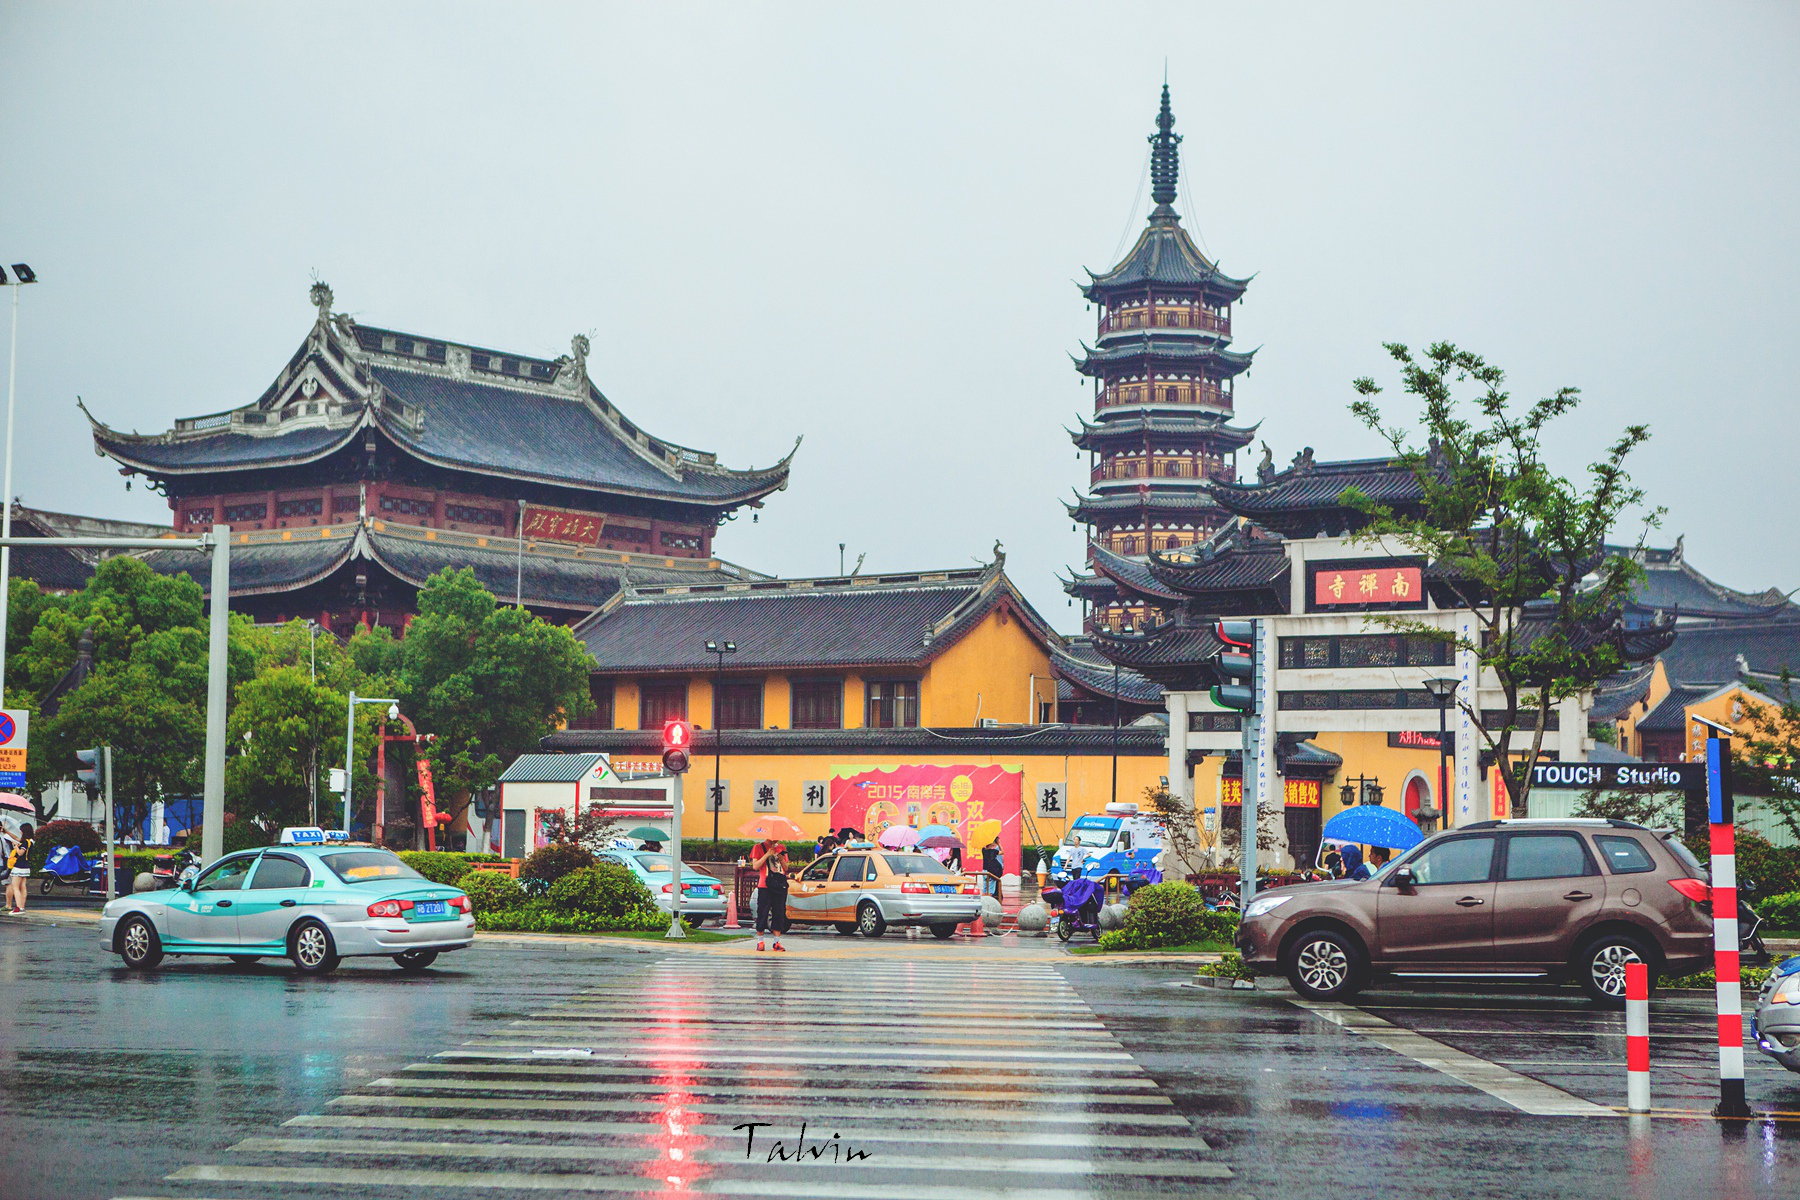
(1776, 1022)
(1564, 900)
(864, 889)
(702, 897)
(312, 905)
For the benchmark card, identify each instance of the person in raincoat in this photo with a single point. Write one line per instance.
(1354, 866)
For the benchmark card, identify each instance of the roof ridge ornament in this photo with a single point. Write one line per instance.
(320, 294)
(1265, 468)
(571, 368)
(1165, 156)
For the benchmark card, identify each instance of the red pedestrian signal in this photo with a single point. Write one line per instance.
(678, 738)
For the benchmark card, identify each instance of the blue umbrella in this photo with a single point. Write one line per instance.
(937, 831)
(1373, 825)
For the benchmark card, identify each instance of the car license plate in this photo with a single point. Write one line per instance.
(947, 887)
(703, 891)
(428, 908)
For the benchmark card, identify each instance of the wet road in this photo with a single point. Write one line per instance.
(580, 1069)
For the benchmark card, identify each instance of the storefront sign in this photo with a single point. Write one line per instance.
(1302, 793)
(1413, 739)
(561, 525)
(872, 798)
(1665, 777)
(15, 724)
(1368, 583)
(1231, 791)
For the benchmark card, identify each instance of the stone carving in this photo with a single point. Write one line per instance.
(321, 298)
(1303, 461)
(1265, 469)
(571, 368)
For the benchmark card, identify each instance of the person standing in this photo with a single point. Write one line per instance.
(992, 866)
(18, 869)
(769, 861)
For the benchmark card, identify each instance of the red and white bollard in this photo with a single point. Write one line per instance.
(1637, 1037)
(1720, 817)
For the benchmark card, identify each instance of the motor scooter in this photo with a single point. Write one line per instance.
(68, 867)
(171, 870)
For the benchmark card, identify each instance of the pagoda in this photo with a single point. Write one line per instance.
(375, 458)
(1163, 372)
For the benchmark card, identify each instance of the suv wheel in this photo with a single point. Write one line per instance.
(1323, 964)
(1601, 967)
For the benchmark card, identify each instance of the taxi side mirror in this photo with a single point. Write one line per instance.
(187, 885)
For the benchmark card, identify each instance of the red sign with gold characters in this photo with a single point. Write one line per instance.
(1357, 586)
(1301, 793)
(561, 525)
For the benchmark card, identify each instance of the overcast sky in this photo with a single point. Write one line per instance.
(863, 224)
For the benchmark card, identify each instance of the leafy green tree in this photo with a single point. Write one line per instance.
(489, 681)
(1766, 754)
(1503, 530)
(295, 736)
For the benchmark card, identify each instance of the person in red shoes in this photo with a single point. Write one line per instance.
(769, 860)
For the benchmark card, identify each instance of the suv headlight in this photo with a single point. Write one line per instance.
(1264, 904)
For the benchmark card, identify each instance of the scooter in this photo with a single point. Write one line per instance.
(66, 865)
(171, 870)
(1080, 900)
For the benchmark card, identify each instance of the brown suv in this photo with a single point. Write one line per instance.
(1505, 900)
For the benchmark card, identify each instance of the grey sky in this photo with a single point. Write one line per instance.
(862, 224)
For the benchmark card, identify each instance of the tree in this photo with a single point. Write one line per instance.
(1765, 760)
(296, 735)
(1519, 546)
(489, 681)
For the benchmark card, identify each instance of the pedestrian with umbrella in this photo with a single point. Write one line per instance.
(769, 861)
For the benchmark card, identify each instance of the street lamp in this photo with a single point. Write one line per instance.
(720, 649)
(1441, 690)
(21, 275)
(350, 743)
(1360, 790)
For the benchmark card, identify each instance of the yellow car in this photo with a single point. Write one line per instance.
(864, 889)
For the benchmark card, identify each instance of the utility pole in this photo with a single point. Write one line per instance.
(22, 275)
(1242, 661)
(112, 856)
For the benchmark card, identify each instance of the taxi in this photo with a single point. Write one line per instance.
(313, 904)
(864, 889)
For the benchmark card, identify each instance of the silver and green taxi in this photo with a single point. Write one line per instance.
(314, 905)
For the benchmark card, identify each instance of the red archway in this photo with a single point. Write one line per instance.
(1418, 795)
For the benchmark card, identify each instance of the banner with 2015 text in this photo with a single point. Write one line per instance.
(872, 798)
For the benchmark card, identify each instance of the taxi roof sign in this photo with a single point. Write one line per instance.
(311, 835)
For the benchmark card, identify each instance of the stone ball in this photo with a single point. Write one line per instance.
(1112, 916)
(1034, 917)
(991, 912)
(145, 882)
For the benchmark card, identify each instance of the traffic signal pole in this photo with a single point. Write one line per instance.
(678, 742)
(1241, 662)
(112, 887)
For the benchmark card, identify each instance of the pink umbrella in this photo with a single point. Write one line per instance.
(898, 837)
(10, 800)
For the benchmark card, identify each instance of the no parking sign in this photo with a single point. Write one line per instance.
(14, 725)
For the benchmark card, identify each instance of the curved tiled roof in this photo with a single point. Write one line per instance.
(1164, 253)
(221, 451)
(1166, 346)
(1303, 499)
(1081, 664)
(1184, 501)
(1175, 654)
(1134, 575)
(839, 622)
(1161, 423)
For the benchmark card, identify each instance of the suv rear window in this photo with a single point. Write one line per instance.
(1624, 855)
(1686, 856)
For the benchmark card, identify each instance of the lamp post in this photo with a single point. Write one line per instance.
(719, 650)
(21, 275)
(350, 743)
(1441, 690)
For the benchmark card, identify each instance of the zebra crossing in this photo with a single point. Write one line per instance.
(721, 1076)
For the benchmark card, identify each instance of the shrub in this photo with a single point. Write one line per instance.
(1774, 869)
(1169, 914)
(539, 916)
(551, 863)
(439, 866)
(607, 890)
(1780, 912)
(491, 891)
(1230, 966)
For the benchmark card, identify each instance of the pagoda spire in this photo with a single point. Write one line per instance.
(1165, 155)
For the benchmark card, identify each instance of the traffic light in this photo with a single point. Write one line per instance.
(88, 769)
(678, 738)
(1236, 663)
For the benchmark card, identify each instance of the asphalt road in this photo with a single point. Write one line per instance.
(581, 1068)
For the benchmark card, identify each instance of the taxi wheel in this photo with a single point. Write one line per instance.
(311, 949)
(943, 933)
(244, 960)
(847, 927)
(869, 921)
(138, 944)
(414, 961)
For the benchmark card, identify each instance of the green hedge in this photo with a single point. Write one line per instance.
(492, 891)
(700, 849)
(1779, 912)
(540, 916)
(608, 891)
(1775, 870)
(443, 866)
(1169, 914)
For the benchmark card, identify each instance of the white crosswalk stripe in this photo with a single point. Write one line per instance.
(718, 1077)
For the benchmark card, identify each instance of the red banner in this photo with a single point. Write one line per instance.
(1300, 793)
(561, 525)
(428, 801)
(873, 798)
(1384, 585)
